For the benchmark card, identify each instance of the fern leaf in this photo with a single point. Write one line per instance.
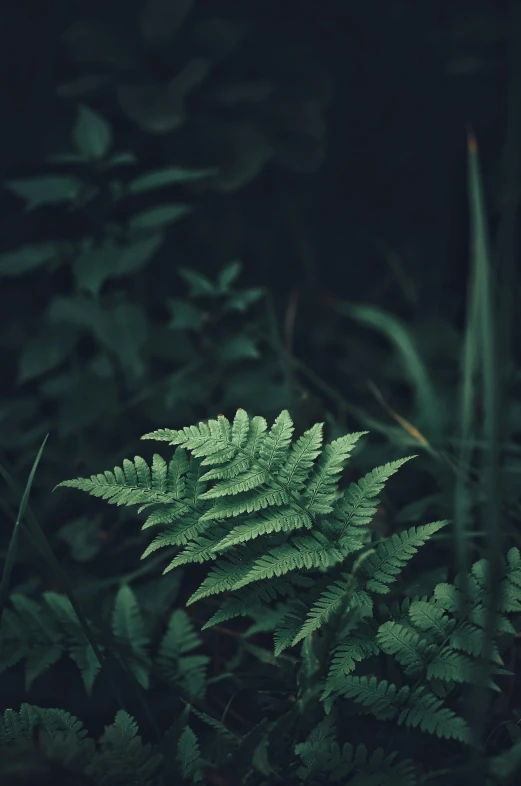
(406, 645)
(261, 498)
(295, 471)
(358, 505)
(224, 576)
(426, 711)
(431, 617)
(306, 551)
(129, 629)
(392, 555)
(285, 521)
(320, 494)
(248, 448)
(132, 484)
(287, 629)
(189, 755)
(381, 698)
(329, 601)
(345, 658)
(273, 448)
(249, 599)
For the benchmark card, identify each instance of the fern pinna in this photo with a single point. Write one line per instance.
(267, 514)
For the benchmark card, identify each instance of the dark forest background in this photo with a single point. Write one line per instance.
(213, 204)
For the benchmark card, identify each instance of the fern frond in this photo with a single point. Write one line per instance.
(344, 660)
(320, 493)
(360, 500)
(176, 660)
(135, 483)
(128, 628)
(392, 555)
(189, 756)
(304, 552)
(406, 645)
(426, 711)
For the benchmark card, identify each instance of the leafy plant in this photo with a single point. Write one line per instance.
(267, 516)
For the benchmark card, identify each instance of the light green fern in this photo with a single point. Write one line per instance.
(263, 511)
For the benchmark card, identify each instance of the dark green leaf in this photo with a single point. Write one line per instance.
(167, 177)
(44, 352)
(96, 264)
(26, 258)
(157, 217)
(46, 190)
(92, 134)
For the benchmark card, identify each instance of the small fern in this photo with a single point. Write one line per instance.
(40, 633)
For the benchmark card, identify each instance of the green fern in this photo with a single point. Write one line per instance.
(41, 633)
(119, 757)
(321, 753)
(268, 518)
(438, 644)
(245, 513)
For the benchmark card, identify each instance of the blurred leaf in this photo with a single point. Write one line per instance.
(167, 177)
(46, 190)
(125, 333)
(240, 301)
(157, 217)
(400, 337)
(238, 348)
(241, 148)
(199, 284)
(185, 316)
(122, 159)
(123, 329)
(96, 264)
(77, 311)
(82, 535)
(44, 352)
(153, 107)
(92, 134)
(160, 20)
(26, 258)
(228, 275)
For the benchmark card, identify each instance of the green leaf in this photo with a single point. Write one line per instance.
(26, 258)
(122, 329)
(96, 264)
(199, 284)
(167, 177)
(240, 301)
(185, 316)
(46, 190)
(44, 352)
(92, 134)
(158, 217)
(238, 348)
(228, 275)
(122, 159)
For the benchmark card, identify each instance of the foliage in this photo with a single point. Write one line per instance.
(268, 517)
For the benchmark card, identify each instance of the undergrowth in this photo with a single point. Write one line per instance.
(362, 685)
